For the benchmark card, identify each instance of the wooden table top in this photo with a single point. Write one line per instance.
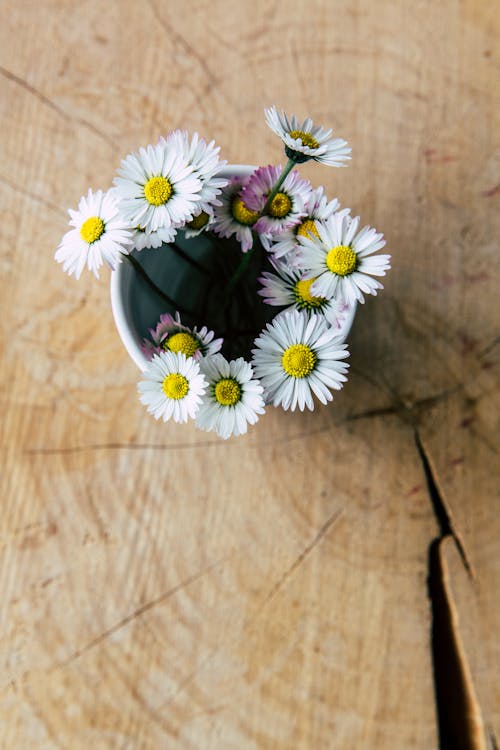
(331, 579)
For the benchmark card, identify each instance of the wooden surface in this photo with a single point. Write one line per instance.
(164, 589)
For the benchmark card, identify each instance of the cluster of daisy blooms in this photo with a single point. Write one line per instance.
(320, 265)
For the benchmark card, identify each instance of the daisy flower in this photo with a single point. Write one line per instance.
(201, 222)
(100, 234)
(307, 141)
(288, 205)
(296, 356)
(171, 335)
(233, 399)
(233, 216)
(203, 157)
(340, 259)
(172, 387)
(289, 289)
(157, 188)
(318, 207)
(144, 239)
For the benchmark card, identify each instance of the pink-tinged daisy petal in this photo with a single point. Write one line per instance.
(233, 217)
(171, 335)
(288, 206)
(286, 244)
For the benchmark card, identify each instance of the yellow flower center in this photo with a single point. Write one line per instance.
(158, 191)
(280, 205)
(306, 138)
(227, 392)
(175, 386)
(298, 360)
(91, 229)
(243, 214)
(199, 221)
(341, 260)
(308, 229)
(303, 294)
(182, 342)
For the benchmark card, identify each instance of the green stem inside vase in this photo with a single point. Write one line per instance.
(156, 289)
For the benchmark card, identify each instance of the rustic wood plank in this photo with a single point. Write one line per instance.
(161, 588)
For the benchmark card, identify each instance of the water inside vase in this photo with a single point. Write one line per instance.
(201, 295)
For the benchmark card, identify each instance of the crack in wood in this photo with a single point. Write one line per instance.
(458, 711)
(119, 446)
(176, 36)
(326, 526)
(408, 411)
(32, 196)
(137, 613)
(439, 505)
(489, 347)
(157, 446)
(55, 107)
(405, 411)
(370, 413)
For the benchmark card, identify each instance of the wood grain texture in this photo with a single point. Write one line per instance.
(164, 589)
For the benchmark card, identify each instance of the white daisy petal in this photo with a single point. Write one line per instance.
(340, 259)
(291, 290)
(100, 235)
(289, 371)
(204, 160)
(156, 187)
(172, 387)
(233, 399)
(307, 141)
(143, 238)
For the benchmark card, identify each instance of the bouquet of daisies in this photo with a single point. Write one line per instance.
(287, 266)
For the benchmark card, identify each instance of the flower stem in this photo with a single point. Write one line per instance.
(238, 274)
(247, 256)
(288, 168)
(188, 258)
(140, 270)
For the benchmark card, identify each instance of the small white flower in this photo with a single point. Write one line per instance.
(100, 235)
(288, 205)
(289, 289)
(307, 141)
(203, 157)
(318, 207)
(233, 399)
(296, 356)
(341, 259)
(172, 387)
(233, 217)
(201, 222)
(144, 239)
(171, 335)
(157, 188)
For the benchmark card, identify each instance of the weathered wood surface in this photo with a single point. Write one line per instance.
(161, 588)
